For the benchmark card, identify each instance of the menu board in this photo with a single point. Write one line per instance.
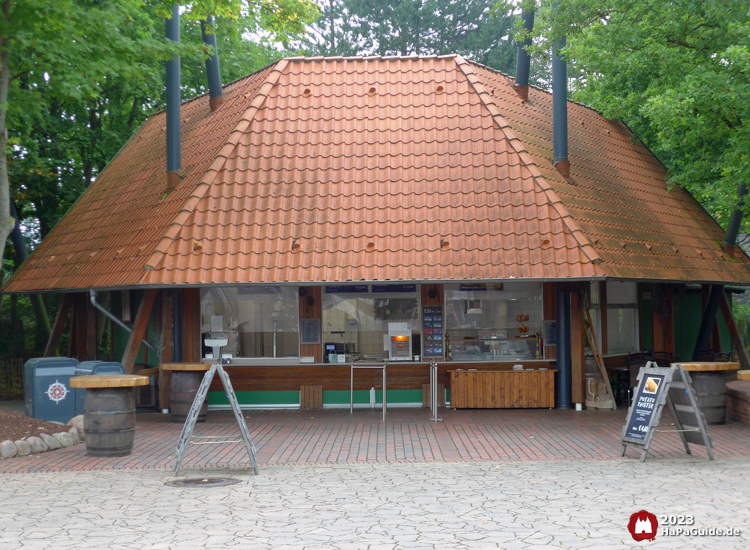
(432, 331)
(645, 405)
(311, 331)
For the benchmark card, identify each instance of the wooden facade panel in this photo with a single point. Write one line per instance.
(502, 389)
(310, 307)
(310, 397)
(191, 325)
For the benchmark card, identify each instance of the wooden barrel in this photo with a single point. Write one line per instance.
(711, 392)
(109, 421)
(182, 389)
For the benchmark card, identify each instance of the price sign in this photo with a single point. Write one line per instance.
(645, 405)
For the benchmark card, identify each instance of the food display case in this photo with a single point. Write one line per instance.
(475, 349)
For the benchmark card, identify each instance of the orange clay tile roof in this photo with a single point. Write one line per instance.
(352, 169)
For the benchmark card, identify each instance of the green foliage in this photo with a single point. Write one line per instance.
(473, 28)
(678, 73)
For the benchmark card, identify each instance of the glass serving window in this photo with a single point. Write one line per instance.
(358, 323)
(257, 321)
(493, 322)
(622, 316)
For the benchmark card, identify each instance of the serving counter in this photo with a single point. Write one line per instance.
(502, 389)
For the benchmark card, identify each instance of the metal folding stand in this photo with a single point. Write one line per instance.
(186, 437)
(384, 367)
(434, 391)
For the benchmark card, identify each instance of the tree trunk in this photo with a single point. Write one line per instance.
(6, 221)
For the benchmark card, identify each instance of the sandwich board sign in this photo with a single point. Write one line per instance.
(655, 385)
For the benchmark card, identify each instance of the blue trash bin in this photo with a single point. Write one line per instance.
(47, 388)
(87, 368)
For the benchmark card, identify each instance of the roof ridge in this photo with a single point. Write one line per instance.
(208, 178)
(554, 199)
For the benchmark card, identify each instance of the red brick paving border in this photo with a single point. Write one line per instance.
(334, 436)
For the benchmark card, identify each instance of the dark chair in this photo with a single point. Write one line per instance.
(707, 355)
(663, 358)
(721, 357)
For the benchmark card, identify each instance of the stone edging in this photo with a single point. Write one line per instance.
(44, 442)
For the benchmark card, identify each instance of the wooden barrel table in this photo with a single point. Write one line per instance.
(109, 412)
(709, 381)
(743, 375)
(184, 382)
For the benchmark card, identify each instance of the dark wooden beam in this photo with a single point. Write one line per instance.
(139, 330)
(58, 327)
(726, 310)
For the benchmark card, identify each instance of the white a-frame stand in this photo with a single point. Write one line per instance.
(200, 396)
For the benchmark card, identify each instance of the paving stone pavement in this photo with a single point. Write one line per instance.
(509, 505)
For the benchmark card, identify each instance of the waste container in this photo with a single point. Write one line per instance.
(47, 388)
(87, 368)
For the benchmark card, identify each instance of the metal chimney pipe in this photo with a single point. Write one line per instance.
(560, 110)
(215, 94)
(174, 162)
(523, 64)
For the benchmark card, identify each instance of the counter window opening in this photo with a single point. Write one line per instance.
(357, 321)
(258, 322)
(493, 322)
(622, 317)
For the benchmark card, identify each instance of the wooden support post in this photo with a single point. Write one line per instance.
(657, 321)
(165, 337)
(726, 310)
(669, 336)
(191, 325)
(577, 346)
(58, 327)
(80, 327)
(139, 330)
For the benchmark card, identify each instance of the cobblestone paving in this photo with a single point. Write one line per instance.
(510, 505)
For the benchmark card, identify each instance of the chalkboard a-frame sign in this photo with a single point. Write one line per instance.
(652, 393)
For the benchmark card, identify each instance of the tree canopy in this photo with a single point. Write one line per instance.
(677, 72)
(476, 29)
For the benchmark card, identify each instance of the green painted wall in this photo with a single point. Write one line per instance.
(330, 397)
(688, 318)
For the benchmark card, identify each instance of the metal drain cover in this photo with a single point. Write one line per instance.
(203, 482)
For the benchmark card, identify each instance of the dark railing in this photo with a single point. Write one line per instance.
(11, 374)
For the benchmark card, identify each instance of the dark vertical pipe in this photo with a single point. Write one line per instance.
(564, 375)
(213, 72)
(174, 161)
(560, 110)
(523, 64)
(733, 227)
(714, 299)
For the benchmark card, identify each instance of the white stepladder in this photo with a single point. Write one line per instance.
(186, 436)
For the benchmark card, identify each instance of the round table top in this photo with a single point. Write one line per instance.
(709, 367)
(743, 375)
(109, 381)
(185, 366)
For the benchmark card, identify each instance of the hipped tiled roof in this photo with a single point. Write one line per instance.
(371, 169)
